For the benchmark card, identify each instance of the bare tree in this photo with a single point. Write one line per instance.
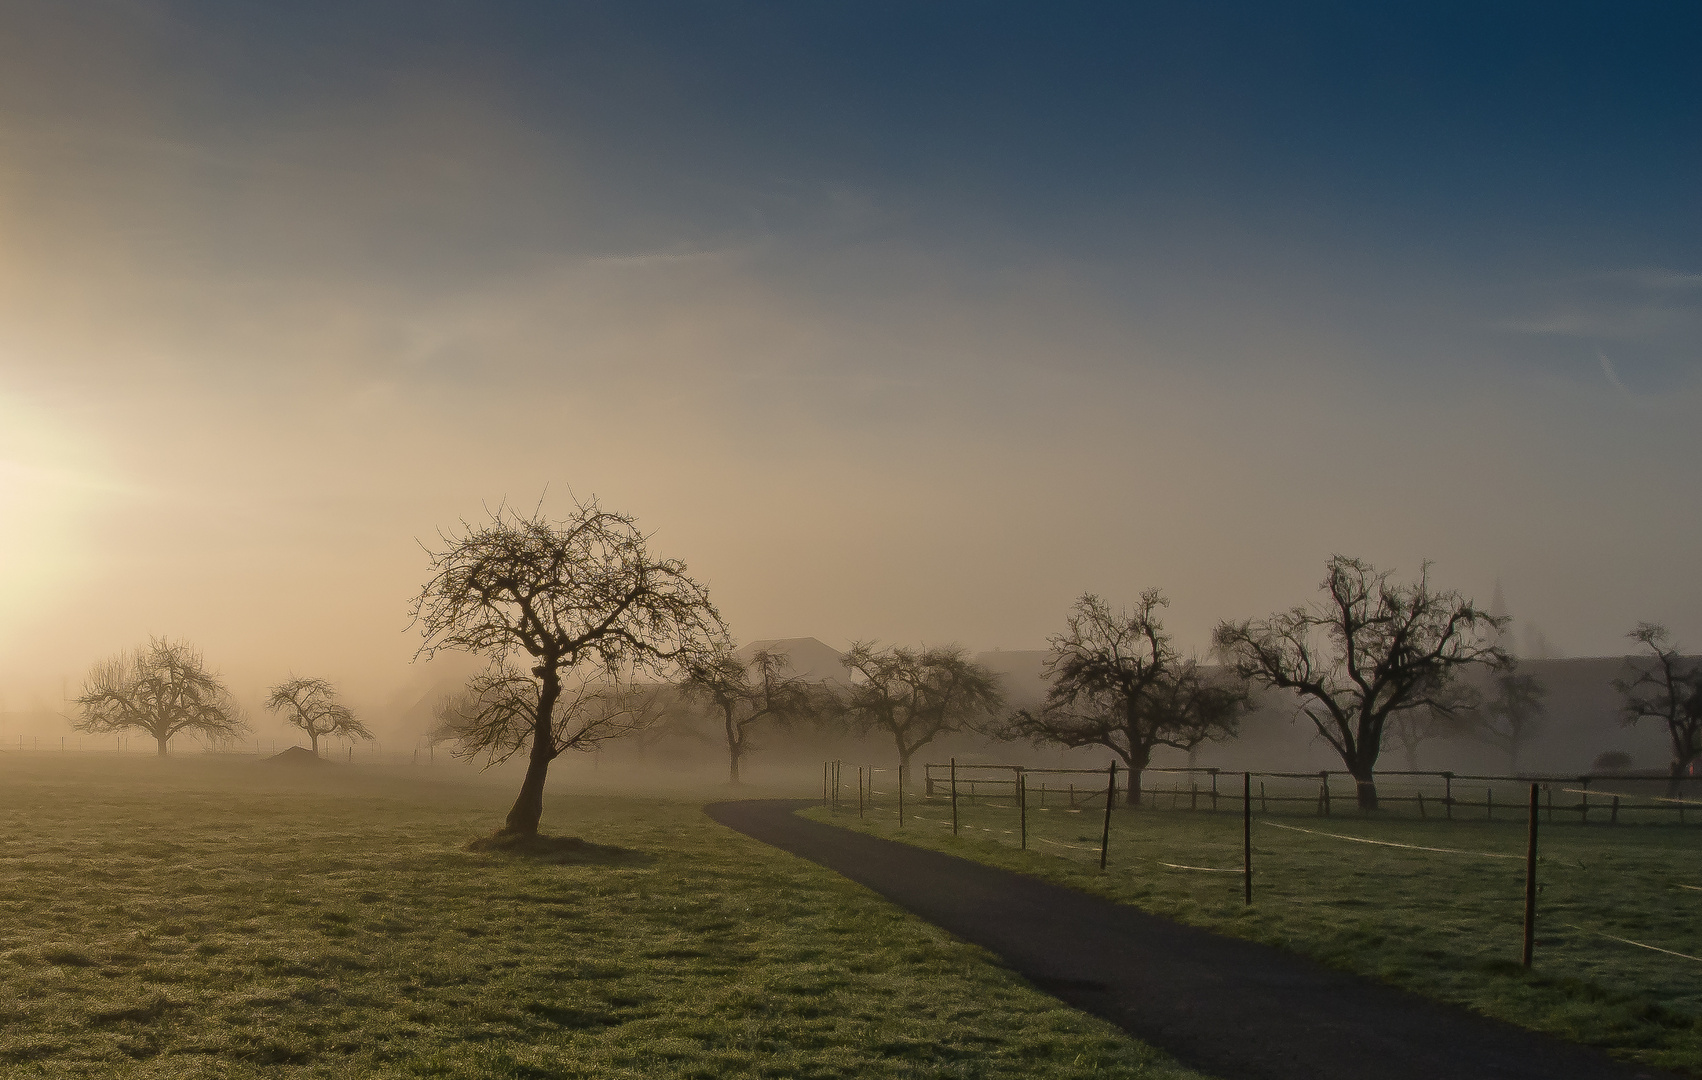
(164, 689)
(1118, 682)
(916, 696)
(746, 695)
(1669, 690)
(1371, 650)
(575, 595)
(312, 706)
(1511, 715)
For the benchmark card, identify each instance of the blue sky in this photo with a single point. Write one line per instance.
(894, 320)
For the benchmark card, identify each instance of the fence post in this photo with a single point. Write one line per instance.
(1264, 807)
(1489, 803)
(1531, 880)
(1022, 805)
(1324, 782)
(859, 791)
(1584, 802)
(1448, 794)
(1613, 818)
(1422, 815)
(1247, 837)
(954, 796)
(901, 794)
(1110, 797)
(1214, 789)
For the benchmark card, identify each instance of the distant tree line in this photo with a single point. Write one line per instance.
(165, 689)
(590, 637)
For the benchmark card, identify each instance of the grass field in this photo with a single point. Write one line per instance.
(1446, 924)
(216, 917)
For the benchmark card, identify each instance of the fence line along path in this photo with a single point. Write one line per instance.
(1228, 1007)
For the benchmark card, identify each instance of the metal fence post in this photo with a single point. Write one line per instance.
(1110, 797)
(1247, 837)
(1531, 880)
(954, 796)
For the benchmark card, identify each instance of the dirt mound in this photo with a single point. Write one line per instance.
(297, 755)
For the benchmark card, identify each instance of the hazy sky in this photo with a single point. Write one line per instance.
(907, 321)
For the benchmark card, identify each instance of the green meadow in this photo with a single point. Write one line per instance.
(219, 917)
(1447, 924)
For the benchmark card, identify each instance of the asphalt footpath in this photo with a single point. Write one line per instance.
(1231, 1008)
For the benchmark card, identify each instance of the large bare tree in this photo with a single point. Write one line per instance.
(746, 695)
(1118, 682)
(1669, 690)
(583, 597)
(1370, 650)
(917, 695)
(312, 706)
(164, 689)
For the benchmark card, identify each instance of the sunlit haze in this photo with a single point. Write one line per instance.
(900, 322)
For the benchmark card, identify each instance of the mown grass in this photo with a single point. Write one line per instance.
(211, 918)
(1446, 925)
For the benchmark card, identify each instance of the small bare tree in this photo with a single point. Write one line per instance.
(581, 597)
(312, 706)
(746, 695)
(1370, 651)
(163, 689)
(1668, 690)
(1118, 682)
(1511, 715)
(916, 696)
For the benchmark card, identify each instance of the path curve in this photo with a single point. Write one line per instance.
(1232, 1008)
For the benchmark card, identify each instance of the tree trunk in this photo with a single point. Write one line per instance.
(163, 739)
(313, 737)
(529, 807)
(1137, 759)
(1365, 781)
(735, 746)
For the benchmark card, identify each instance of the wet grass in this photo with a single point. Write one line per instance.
(1448, 925)
(210, 918)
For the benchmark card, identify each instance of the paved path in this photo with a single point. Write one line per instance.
(1228, 1007)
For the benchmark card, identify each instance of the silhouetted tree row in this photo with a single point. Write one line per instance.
(165, 689)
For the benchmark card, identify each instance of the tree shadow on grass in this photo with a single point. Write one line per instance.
(560, 850)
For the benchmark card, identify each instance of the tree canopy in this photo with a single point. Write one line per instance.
(917, 695)
(581, 595)
(1668, 688)
(164, 689)
(746, 695)
(1118, 682)
(312, 706)
(1371, 649)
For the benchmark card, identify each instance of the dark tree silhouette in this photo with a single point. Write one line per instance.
(312, 706)
(581, 596)
(164, 689)
(1510, 716)
(1668, 690)
(745, 695)
(916, 696)
(1118, 682)
(1371, 650)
